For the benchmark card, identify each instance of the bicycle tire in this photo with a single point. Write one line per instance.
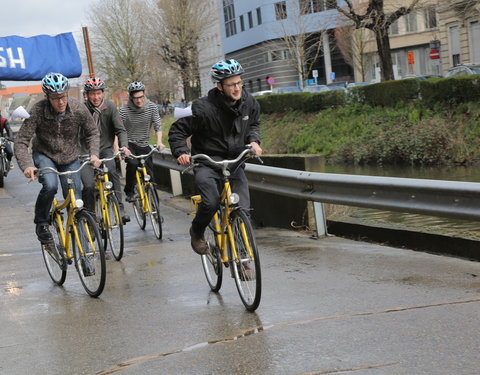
(91, 268)
(54, 256)
(2, 168)
(114, 228)
(211, 263)
(249, 284)
(138, 210)
(155, 217)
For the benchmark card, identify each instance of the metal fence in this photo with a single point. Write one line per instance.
(452, 199)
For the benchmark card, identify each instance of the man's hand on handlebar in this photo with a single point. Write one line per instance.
(30, 172)
(184, 159)
(256, 148)
(95, 161)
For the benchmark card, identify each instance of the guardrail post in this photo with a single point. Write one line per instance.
(320, 220)
(176, 182)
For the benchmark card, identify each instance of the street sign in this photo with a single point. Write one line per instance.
(315, 73)
(332, 76)
(434, 54)
(271, 80)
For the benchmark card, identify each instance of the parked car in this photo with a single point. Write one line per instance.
(316, 88)
(259, 93)
(338, 84)
(337, 88)
(356, 84)
(463, 70)
(421, 77)
(286, 90)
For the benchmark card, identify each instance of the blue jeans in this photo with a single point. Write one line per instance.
(49, 183)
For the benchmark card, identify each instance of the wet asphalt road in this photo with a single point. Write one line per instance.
(329, 306)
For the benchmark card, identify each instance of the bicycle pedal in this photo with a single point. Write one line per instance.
(87, 267)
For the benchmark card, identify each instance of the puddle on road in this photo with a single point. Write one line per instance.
(259, 329)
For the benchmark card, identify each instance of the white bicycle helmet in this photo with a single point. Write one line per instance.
(225, 69)
(55, 83)
(135, 86)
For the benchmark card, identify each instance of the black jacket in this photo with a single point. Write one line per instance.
(217, 129)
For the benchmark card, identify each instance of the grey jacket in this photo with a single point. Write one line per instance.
(59, 140)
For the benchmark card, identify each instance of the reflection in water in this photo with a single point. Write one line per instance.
(413, 222)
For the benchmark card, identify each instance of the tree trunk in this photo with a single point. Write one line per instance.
(384, 54)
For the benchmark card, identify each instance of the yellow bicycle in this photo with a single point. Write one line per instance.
(107, 210)
(146, 200)
(76, 240)
(230, 239)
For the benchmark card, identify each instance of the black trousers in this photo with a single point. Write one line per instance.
(209, 184)
(132, 164)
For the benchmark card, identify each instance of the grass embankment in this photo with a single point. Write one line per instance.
(408, 134)
(360, 134)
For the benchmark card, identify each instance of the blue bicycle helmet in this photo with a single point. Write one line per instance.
(225, 69)
(135, 86)
(55, 83)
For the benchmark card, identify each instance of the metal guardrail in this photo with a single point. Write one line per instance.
(452, 199)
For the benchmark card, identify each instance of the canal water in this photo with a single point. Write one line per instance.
(414, 222)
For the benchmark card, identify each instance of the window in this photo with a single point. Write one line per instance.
(411, 22)
(250, 19)
(280, 10)
(393, 30)
(259, 16)
(430, 18)
(475, 41)
(454, 39)
(229, 17)
(242, 23)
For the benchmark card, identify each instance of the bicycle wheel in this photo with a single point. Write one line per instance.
(54, 257)
(247, 272)
(212, 266)
(155, 217)
(100, 221)
(114, 226)
(138, 210)
(91, 266)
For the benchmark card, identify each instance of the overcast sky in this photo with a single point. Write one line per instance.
(35, 17)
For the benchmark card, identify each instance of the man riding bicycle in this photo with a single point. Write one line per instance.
(53, 127)
(4, 125)
(110, 126)
(222, 123)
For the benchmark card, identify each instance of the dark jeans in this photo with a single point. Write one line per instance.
(209, 184)
(88, 181)
(8, 150)
(49, 183)
(132, 164)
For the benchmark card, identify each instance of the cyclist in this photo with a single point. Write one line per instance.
(110, 125)
(53, 128)
(139, 115)
(222, 123)
(4, 125)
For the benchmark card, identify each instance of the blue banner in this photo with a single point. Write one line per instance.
(30, 59)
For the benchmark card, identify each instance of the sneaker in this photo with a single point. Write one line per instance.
(199, 245)
(246, 272)
(43, 233)
(11, 165)
(125, 219)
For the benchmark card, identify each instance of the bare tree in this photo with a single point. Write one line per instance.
(303, 47)
(352, 44)
(118, 42)
(175, 26)
(378, 19)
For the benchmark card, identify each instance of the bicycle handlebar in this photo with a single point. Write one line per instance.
(40, 170)
(154, 149)
(223, 163)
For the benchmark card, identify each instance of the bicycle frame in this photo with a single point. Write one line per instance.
(104, 186)
(142, 178)
(223, 227)
(68, 228)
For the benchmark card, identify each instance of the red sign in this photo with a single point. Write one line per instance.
(434, 54)
(411, 58)
(271, 80)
